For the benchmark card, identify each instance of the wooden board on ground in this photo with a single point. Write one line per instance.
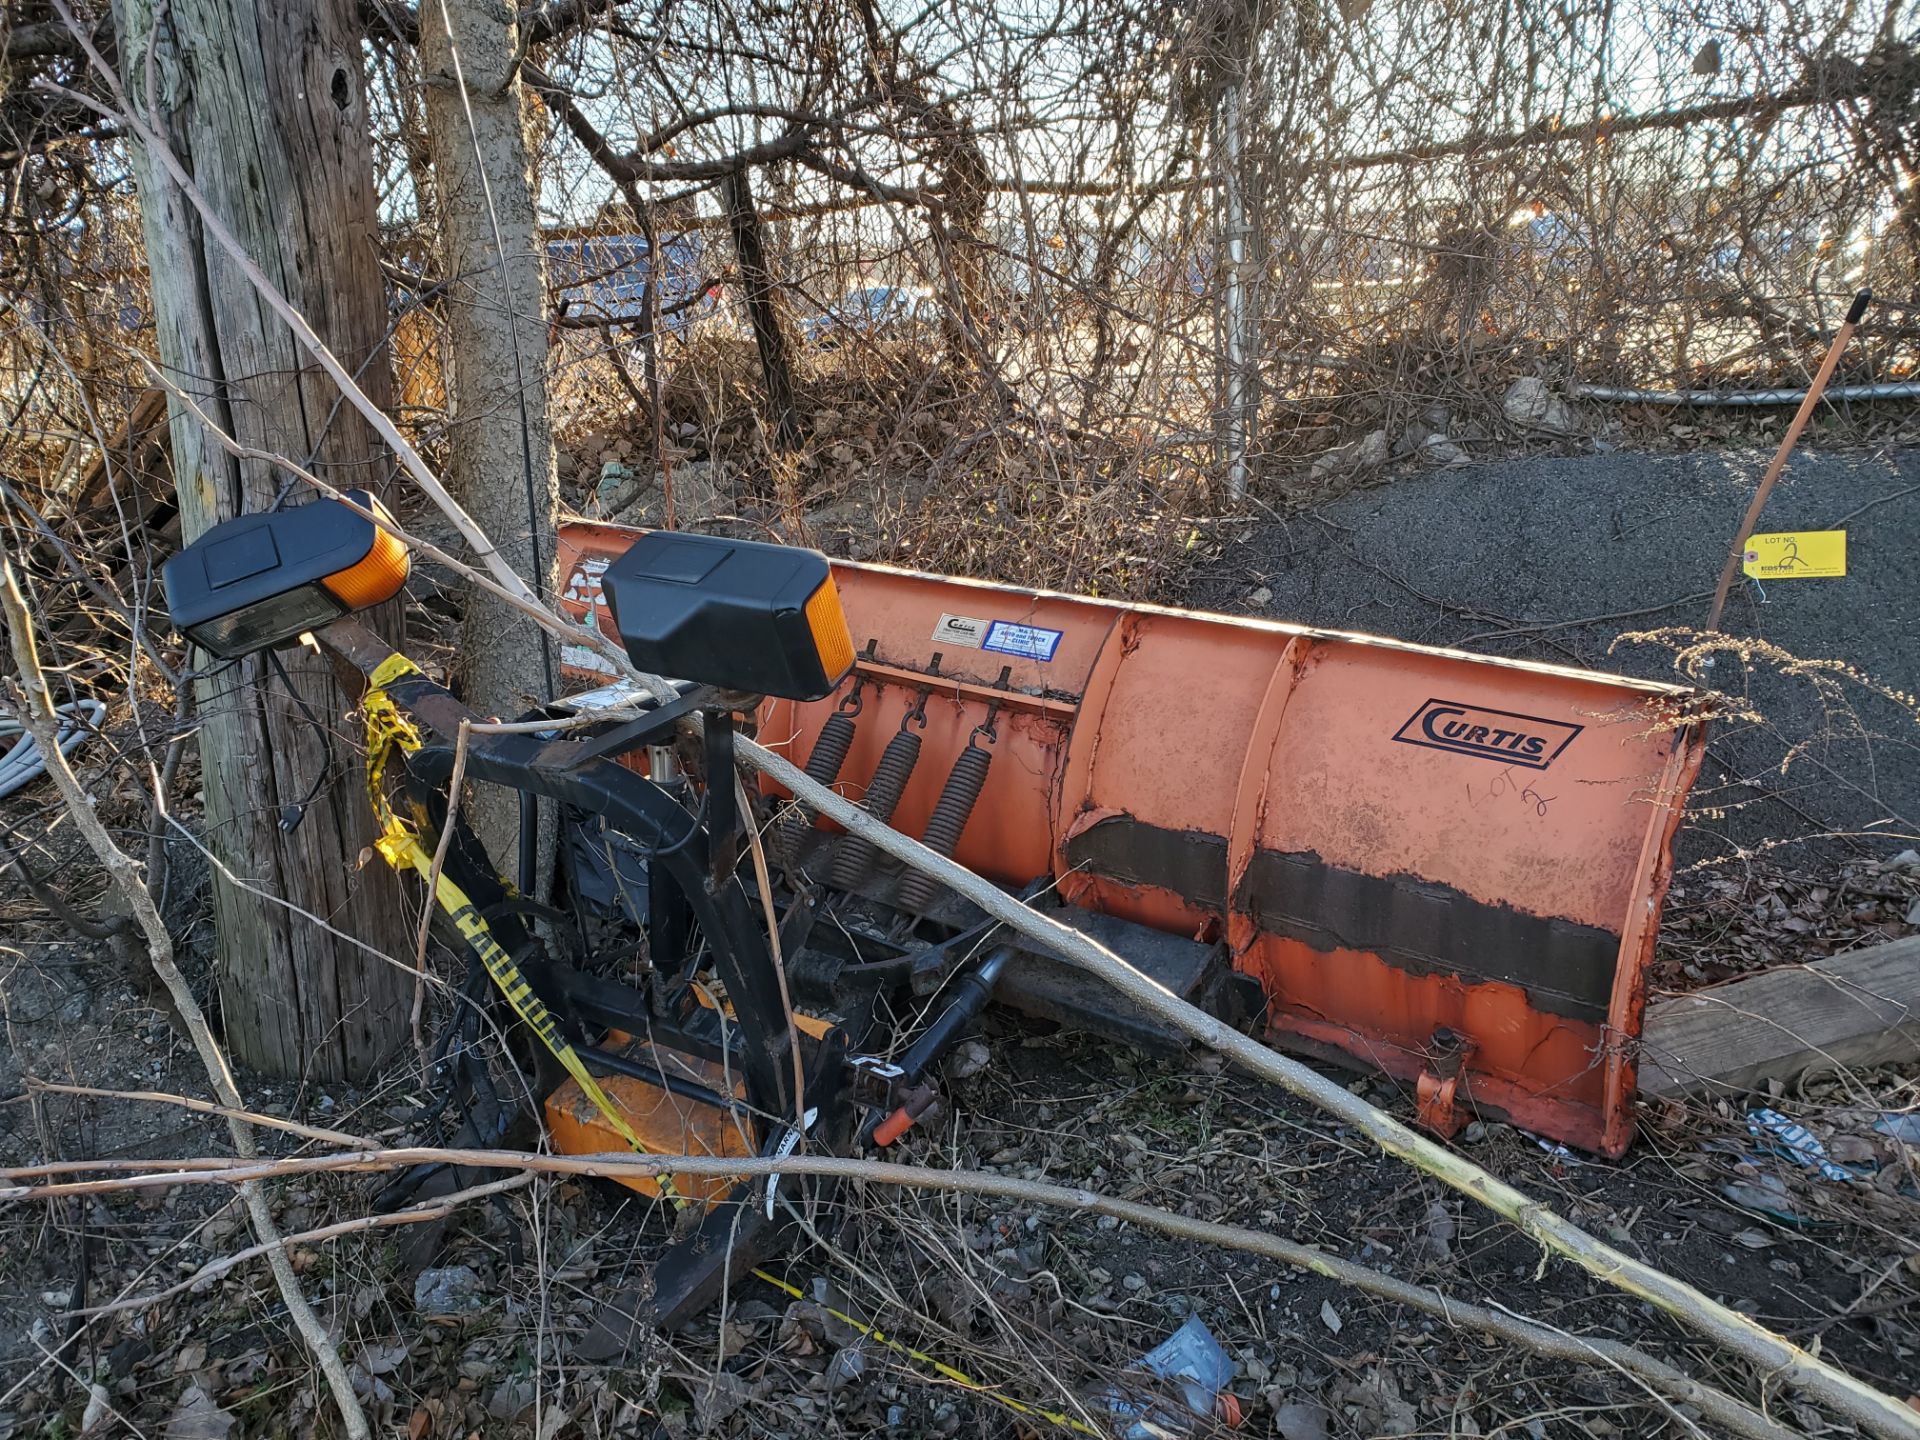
(1860, 1008)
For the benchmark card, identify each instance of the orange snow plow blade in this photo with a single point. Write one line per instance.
(1440, 865)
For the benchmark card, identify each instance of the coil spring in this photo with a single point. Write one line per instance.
(823, 768)
(853, 861)
(950, 814)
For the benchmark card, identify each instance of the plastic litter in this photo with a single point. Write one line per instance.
(23, 763)
(1200, 1369)
(1765, 1196)
(1902, 1127)
(1786, 1137)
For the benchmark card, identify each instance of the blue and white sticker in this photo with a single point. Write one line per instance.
(1029, 642)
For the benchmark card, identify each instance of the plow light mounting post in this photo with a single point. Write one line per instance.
(734, 614)
(259, 581)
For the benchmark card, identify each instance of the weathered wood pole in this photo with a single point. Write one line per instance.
(263, 102)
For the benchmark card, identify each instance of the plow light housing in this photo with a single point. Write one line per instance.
(735, 614)
(258, 581)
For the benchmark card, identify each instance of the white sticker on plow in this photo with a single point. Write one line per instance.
(961, 630)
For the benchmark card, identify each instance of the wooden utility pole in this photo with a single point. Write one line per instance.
(500, 462)
(263, 102)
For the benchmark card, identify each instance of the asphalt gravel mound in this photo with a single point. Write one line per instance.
(1568, 560)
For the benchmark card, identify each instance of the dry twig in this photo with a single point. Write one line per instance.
(438, 1209)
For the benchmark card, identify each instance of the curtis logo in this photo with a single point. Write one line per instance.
(1490, 734)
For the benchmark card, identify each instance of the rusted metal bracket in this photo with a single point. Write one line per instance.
(1047, 705)
(1438, 1090)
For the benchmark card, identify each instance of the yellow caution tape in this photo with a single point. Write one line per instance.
(390, 670)
(939, 1367)
(400, 847)
(387, 730)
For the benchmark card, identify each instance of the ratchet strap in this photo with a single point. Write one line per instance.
(388, 731)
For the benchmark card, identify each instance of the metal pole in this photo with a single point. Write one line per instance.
(1239, 378)
(1755, 399)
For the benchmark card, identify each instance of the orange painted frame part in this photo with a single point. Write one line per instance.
(1412, 849)
(665, 1123)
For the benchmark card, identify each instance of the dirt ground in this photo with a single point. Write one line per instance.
(1043, 1309)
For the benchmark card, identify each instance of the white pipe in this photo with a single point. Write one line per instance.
(1620, 395)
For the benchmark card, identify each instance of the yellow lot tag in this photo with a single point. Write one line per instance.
(1797, 555)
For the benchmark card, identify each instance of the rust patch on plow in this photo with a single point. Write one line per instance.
(1566, 968)
(1190, 863)
(1419, 926)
